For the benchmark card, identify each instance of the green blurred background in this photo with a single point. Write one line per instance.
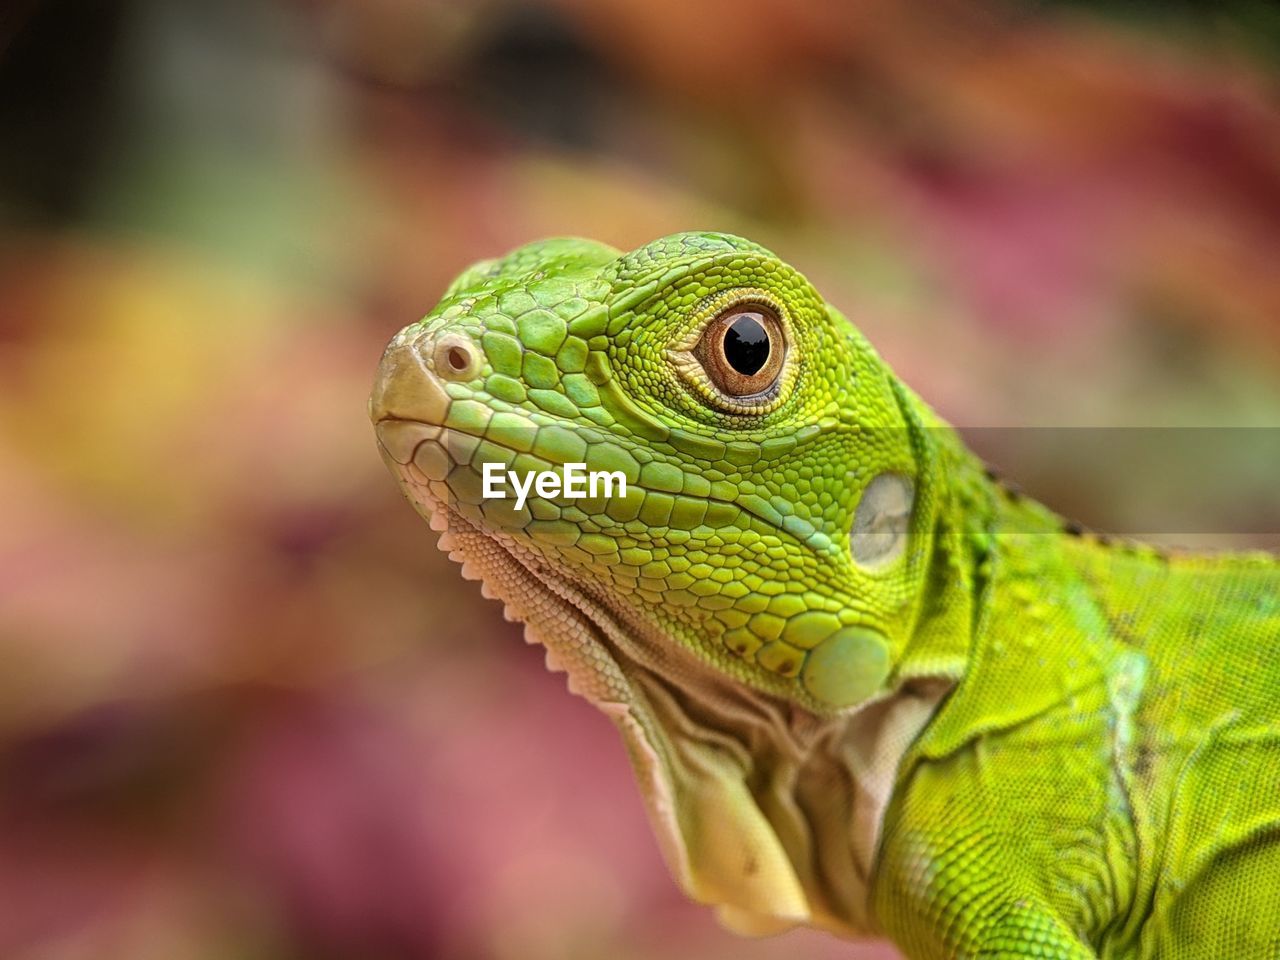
(246, 709)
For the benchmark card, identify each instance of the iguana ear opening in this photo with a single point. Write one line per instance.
(882, 521)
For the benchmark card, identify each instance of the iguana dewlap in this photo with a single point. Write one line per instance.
(862, 686)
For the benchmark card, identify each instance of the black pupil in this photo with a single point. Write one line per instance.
(746, 344)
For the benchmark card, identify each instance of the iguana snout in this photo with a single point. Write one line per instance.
(409, 397)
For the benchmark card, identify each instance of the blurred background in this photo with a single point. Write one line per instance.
(246, 709)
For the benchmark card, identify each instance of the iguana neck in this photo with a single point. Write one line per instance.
(821, 785)
(766, 789)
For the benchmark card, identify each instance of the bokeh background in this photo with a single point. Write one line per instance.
(246, 709)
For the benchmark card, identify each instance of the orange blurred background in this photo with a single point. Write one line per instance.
(246, 709)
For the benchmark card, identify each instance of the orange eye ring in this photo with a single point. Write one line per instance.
(742, 350)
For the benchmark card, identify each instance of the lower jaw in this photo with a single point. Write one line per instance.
(506, 572)
(575, 632)
(612, 663)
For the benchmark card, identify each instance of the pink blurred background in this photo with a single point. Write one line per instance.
(246, 709)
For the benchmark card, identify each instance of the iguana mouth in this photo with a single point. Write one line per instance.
(404, 439)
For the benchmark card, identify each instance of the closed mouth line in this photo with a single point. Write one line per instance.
(441, 436)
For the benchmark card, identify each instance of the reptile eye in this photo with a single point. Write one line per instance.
(742, 350)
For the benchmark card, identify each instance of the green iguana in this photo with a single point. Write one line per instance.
(863, 686)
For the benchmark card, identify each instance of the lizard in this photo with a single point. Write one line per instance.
(863, 686)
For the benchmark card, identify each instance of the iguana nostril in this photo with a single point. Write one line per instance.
(455, 358)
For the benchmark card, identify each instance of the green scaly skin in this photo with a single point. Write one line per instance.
(980, 737)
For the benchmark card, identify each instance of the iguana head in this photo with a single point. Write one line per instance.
(764, 564)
